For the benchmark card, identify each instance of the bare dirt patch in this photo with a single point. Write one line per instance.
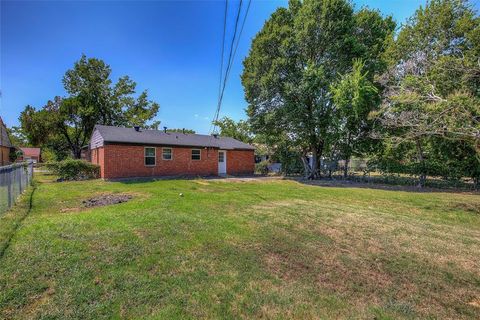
(475, 303)
(106, 199)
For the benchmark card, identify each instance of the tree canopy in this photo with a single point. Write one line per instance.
(238, 130)
(92, 99)
(326, 81)
(432, 96)
(300, 51)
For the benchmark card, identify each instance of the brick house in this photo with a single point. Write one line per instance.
(27, 153)
(135, 152)
(5, 145)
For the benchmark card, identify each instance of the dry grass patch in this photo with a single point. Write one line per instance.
(270, 249)
(371, 257)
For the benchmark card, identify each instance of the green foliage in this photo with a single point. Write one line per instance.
(432, 96)
(294, 59)
(238, 130)
(290, 158)
(190, 131)
(17, 137)
(262, 167)
(73, 169)
(13, 155)
(48, 155)
(35, 125)
(65, 124)
(355, 97)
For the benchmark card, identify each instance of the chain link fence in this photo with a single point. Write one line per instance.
(14, 179)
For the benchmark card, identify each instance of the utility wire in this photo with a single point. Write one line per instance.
(223, 47)
(212, 127)
(232, 53)
(235, 51)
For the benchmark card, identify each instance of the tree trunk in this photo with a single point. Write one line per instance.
(306, 165)
(76, 152)
(347, 156)
(421, 160)
(315, 168)
(345, 168)
(313, 171)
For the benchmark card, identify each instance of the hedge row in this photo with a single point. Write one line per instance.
(71, 169)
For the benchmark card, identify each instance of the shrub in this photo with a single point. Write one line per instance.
(71, 169)
(262, 167)
(14, 154)
(48, 155)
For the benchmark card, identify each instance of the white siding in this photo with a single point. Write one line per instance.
(97, 140)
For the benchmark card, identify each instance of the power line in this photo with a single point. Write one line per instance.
(217, 111)
(231, 58)
(236, 47)
(223, 47)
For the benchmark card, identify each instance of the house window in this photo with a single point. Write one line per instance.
(167, 153)
(149, 156)
(196, 154)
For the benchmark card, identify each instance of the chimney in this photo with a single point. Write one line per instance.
(137, 128)
(183, 130)
(165, 129)
(215, 135)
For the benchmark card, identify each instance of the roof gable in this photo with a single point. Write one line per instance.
(110, 134)
(4, 138)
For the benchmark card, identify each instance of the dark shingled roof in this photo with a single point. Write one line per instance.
(157, 137)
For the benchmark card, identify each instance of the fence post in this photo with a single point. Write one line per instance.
(19, 170)
(17, 173)
(9, 186)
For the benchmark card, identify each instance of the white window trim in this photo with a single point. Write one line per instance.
(222, 152)
(191, 154)
(145, 156)
(171, 154)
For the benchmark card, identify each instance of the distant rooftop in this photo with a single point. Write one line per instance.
(30, 152)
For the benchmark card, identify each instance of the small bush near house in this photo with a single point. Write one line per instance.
(14, 154)
(261, 167)
(48, 155)
(71, 169)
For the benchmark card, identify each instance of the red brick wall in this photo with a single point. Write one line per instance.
(97, 157)
(240, 162)
(123, 161)
(128, 161)
(4, 156)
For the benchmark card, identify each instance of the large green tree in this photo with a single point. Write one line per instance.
(433, 81)
(40, 130)
(238, 130)
(354, 96)
(300, 51)
(92, 99)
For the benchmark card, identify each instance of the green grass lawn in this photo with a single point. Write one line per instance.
(265, 249)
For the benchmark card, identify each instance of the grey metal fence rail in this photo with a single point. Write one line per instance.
(14, 179)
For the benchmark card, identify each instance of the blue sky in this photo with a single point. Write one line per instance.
(170, 48)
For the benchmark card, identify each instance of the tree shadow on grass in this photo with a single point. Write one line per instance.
(332, 183)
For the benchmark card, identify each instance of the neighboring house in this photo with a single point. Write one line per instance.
(5, 145)
(33, 154)
(135, 152)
